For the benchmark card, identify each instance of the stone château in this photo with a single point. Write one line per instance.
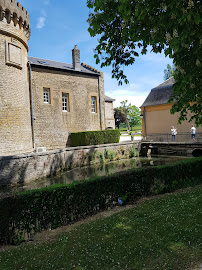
(43, 101)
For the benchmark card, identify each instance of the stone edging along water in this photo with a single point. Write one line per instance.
(28, 167)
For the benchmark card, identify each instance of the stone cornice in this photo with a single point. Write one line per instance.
(14, 16)
(15, 33)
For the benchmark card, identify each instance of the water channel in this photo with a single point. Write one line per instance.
(81, 173)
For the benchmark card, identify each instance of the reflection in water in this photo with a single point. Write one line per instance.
(82, 173)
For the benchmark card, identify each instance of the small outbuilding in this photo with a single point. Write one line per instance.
(109, 113)
(157, 120)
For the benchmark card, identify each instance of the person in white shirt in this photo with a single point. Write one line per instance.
(193, 132)
(173, 132)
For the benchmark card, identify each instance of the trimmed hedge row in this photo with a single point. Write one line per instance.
(94, 137)
(48, 208)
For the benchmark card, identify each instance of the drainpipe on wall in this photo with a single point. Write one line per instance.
(100, 103)
(144, 113)
(32, 110)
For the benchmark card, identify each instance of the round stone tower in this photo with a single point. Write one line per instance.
(15, 120)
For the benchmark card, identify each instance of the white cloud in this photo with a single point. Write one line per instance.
(42, 19)
(155, 58)
(41, 22)
(134, 100)
(147, 82)
(139, 86)
(43, 13)
(46, 2)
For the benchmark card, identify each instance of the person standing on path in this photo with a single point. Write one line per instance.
(193, 132)
(173, 132)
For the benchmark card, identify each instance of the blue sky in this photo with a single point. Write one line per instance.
(58, 25)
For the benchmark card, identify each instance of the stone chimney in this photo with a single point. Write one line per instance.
(76, 58)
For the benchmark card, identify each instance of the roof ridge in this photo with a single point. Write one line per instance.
(107, 98)
(158, 95)
(49, 60)
(90, 67)
(165, 83)
(56, 64)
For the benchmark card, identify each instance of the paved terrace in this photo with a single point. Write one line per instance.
(127, 138)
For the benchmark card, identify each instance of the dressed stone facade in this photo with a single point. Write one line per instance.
(43, 101)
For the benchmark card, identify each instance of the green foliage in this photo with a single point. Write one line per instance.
(94, 137)
(129, 28)
(128, 114)
(133, 152)
(123, 128)
(162, 233)
(120, 118)
(101, 157)
(96, 157)
(109, 154)
(169, 72)
(121, 113)
(48, 208)
(134, 116)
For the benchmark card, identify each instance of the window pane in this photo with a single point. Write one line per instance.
(93, 104)
(46, 95)
(65, 102)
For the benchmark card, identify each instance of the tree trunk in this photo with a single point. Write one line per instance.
(127, 123)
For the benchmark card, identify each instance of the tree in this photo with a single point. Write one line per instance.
(169, 72)
(128, 28)
(119, 117)
(128, 114)
(124, 108)
(134, 116)
(121, 113)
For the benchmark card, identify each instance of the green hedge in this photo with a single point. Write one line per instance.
(48, 208)
(94, 137)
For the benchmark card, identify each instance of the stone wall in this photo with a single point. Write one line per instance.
(25, 168)
(52, 125)
(173, 148)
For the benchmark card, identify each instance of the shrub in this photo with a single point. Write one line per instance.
(94, 137)
(133, 152)
(48, 208)
(96, 157)
(109, 154)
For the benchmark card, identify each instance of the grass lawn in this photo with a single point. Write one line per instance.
(136, 128)
(159, 233)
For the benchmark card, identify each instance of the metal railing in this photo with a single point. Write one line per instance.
(180, 137)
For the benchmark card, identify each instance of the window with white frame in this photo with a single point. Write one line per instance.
(93, 104)
(65, 102)
(46, 95)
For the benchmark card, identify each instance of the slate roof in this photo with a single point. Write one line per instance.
(44, 63)
(109, 99)
(159, 94)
